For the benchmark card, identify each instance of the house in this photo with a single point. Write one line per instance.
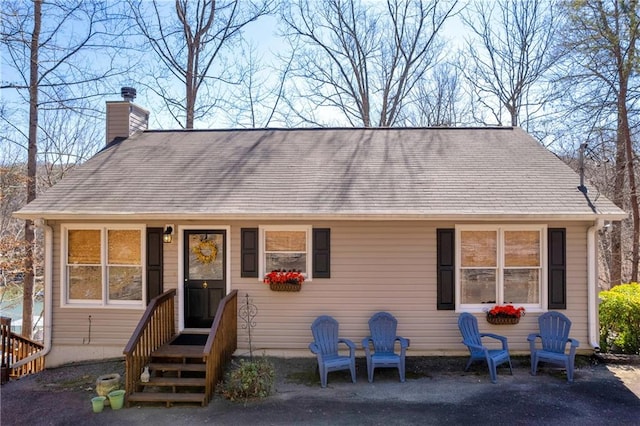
(422, 222)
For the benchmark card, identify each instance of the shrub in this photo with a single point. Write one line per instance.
(620, 319)
(249, 379)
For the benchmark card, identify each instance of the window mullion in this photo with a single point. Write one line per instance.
(500, 266)
(104, 264)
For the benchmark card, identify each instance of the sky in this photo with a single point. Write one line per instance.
(262, 34)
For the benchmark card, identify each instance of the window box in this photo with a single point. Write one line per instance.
(285, 287)
(284, 280)
(507, 314)
(502, 320)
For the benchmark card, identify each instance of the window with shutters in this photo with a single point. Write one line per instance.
(285, 247)
(103, 266)
(500, 265)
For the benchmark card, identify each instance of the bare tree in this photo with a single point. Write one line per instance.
(191, 47)
(438, 100)
(66, 139)
(260, 91)
(603, 67)
(12, 191)
(362, 60)
(512, 56)
(50, 68)
(12, 244)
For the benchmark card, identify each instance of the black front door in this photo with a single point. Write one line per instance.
(204, 276)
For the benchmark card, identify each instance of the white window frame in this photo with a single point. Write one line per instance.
(262, 243)
(104, 302)
(500, 230)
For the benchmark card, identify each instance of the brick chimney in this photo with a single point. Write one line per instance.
(124, 118)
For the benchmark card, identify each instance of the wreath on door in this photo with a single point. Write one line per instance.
(206, 251)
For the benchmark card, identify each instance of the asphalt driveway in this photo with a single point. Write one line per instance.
(437, 392)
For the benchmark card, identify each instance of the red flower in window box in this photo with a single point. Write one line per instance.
(506, 314)
(284, 277)
(506, 311)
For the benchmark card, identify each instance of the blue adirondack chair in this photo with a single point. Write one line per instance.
(472, 338)
(325, 346)
(554, 338)
(383, 338)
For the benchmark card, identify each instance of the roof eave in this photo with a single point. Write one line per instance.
(444, 216)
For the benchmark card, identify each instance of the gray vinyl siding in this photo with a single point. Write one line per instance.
(81, 333)
(375, 265)
(391, 266)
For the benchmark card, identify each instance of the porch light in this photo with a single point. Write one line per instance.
(167, 235)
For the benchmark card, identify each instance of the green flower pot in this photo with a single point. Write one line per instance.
(98, 403)
(116, 399)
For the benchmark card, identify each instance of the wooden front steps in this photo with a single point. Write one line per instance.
(168, 397)
(177, 375)
(172, 366)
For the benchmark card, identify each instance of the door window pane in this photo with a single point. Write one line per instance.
(206, 256)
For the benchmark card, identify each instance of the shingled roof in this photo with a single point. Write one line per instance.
(393, 173)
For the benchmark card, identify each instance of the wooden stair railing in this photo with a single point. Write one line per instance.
(156, 327)
(185, 373)
(222, 341)
(16, 348)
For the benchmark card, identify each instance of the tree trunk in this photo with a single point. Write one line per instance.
(190, 88)
(618, 189)
(29, 236)
(625, 136)
(635, 250)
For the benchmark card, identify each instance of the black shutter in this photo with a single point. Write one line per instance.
(249, 252)
(557, 261)
(446, 269)
(154, 262)
(321, 253)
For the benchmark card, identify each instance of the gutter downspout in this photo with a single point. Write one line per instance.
(592, 278)
(48, 293)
